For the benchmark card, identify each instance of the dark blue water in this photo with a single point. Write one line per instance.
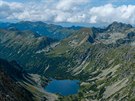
(63, 87)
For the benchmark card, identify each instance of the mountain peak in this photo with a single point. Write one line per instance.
(118, 27)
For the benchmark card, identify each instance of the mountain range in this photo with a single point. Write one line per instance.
(50, 30)
(103, 59)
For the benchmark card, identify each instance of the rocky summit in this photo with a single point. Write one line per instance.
(102, 59)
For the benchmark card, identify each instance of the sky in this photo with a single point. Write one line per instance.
(68, 11)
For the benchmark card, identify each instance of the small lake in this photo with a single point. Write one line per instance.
(63, 87)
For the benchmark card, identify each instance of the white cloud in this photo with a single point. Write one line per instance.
(70, 4)
(9, 9)
(67, 11)
(109, 13)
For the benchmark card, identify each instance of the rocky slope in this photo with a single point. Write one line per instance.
(10, 89)
(17, 85)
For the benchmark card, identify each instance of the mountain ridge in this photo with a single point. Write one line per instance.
(50, 30)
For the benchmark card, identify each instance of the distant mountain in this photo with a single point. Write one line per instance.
(49, 30)
(118, 27)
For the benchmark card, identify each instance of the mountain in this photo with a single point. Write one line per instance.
(118, 27)
(104, 64)
(101, 58)
(49, 30)
(105, 67)
(39, 54)
(24, 46)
